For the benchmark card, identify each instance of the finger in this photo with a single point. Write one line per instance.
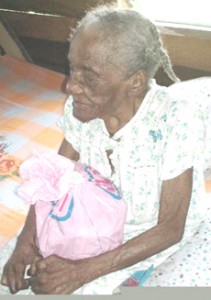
(48, 264)
(34, 268)
(41, 266)
(9, 274)
(22, 284)
(8, 277)
(54, 263)
(4, 280)
(21, 281)
(46, 283)
(31, 270)
(26, 284)
(12, 285)
(39, 284)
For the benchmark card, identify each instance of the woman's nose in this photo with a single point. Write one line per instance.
(74, 85)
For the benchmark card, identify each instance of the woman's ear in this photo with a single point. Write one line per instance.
(138, 83)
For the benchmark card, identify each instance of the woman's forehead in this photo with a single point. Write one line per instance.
(86, 47)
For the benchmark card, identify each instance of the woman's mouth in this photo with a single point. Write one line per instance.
(79, 105)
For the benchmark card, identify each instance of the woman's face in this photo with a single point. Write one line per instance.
(98, 89)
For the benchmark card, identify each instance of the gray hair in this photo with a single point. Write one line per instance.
(133, 40)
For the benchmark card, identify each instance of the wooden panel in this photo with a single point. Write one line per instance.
(39, 26)
(189, 52)
(74, 8)
(51, 55)
(10, 43)
(185, 47)
(183, 73)
(184, 30)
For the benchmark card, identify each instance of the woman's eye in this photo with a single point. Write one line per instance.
(90, 77)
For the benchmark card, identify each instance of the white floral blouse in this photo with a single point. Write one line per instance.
(169, 134)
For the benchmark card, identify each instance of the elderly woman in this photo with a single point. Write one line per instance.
(148, 142)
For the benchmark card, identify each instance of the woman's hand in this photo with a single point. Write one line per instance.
(24, 254)
(13, 273)
(55, 275)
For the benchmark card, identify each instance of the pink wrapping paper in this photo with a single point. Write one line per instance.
(79, 213)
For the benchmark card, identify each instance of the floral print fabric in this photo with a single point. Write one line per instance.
(169, 134)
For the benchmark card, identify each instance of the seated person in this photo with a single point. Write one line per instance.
(148, 142)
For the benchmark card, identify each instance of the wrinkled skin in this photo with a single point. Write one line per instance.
(13, 274)
(56, 275)
(99, 89)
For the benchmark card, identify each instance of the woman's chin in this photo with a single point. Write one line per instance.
(82, 116)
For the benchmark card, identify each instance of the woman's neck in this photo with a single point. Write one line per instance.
(118, 120)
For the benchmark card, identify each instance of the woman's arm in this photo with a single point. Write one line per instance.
(26, 250)
(67, 150)
(174, 204)
(64, 276)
